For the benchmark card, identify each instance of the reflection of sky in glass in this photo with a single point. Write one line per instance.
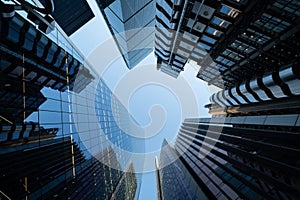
(108, 120)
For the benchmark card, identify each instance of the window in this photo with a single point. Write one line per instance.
(232, 12)
(186, 46)
(225, 61)
(206, 47)
(190, 37)
(240, 46)
(220, 22)
(291, 7)
(232, 55)
(17, 71)
(213, 31)
(202, 52)
(272, 24)
(255, 36)
(30, 76)
(208, 39)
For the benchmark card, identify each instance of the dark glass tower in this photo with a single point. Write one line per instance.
(71, 15)
(173, 180)
(252, 157)
(132, 25)
(246, 157)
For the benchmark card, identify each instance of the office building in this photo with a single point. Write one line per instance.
(48, 149)
(173, 180)
(254, 155)
(71, 15)
(245, 157)
(231, 41)
(272, 93)
(247, 150)
(132, 25)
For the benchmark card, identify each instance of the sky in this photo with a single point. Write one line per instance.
(157, 101)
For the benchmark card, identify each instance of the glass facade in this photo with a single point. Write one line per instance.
(173, 179)
(58, 135)
(248, 157)
(248, 48)
(132, 25)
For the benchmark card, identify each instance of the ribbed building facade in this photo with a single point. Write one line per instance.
(132, 25)
(276, 92)
(231, 41)
(247, 157)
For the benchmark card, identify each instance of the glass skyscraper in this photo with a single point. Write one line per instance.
(132, 25)
(245, 157)
(58, 138)
(247, 149)
(173, 180)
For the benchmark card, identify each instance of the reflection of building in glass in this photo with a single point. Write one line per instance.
(173, 179)
(132, 24)
(126, 188)
(117, 124)
(22, 132)
(45, 155)
(28, 54)
(57, 169)
(230, 40)
(30, 61)
(13, 95)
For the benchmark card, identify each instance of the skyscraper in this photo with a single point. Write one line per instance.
(247, 149)
(49, 148)
(247, 157)
(231, 41)
(276, 93)
(71, 15)
(132, 25)
(173, 179)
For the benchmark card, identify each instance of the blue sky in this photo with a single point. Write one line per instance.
(152, 93)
